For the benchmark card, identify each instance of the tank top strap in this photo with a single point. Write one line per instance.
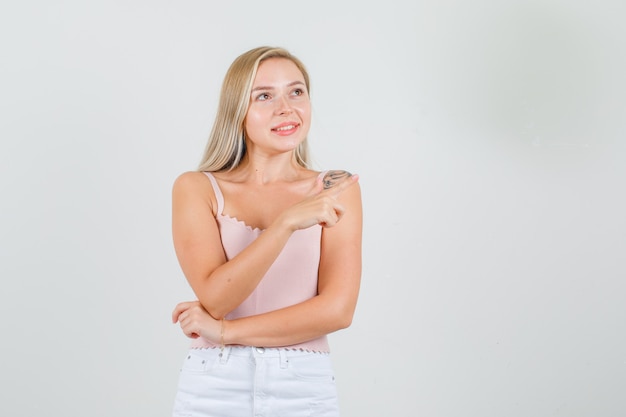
(218, 193)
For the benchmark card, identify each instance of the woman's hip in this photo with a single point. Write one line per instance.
(265, 381)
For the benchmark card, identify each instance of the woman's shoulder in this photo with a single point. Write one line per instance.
(194, 187)
(190, 179)
(333, 177)
(193, 183)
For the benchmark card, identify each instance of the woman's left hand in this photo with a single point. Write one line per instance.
(195, 321)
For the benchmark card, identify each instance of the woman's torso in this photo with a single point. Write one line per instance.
(291, 279)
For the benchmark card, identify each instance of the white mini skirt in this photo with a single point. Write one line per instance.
(256, 382)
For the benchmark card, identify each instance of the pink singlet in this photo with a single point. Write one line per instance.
(291, 279)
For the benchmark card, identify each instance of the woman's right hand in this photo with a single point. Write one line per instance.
(321, 206)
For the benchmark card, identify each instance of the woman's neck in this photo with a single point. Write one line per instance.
(264, 170)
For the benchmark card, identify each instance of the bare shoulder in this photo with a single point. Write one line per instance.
(190, 180)
(193, 186)
(335, 176)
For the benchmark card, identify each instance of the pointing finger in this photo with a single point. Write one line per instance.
(318, 187)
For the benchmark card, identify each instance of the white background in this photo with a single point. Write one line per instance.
(489, 136)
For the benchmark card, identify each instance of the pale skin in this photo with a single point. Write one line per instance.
(270, 191)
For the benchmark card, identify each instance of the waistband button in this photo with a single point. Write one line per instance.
(260, 350)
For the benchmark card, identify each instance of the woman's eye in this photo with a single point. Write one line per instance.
(263, 97)
(298, 92)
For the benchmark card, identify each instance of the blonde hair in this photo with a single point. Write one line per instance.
(227, 146)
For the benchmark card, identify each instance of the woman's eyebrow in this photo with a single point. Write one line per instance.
(262, 87)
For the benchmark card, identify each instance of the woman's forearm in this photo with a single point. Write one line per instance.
(299, 323)
(232, 282)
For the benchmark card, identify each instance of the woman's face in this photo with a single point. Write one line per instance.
(279, 115)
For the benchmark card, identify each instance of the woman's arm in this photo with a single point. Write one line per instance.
(220, 285)
(332, 309)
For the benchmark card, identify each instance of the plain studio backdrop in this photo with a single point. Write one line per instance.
(490, 140)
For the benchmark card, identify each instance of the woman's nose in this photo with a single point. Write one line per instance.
(283, 106)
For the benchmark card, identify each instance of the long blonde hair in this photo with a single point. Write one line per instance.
(227, 146)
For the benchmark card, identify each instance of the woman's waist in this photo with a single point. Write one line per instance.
(319, 345)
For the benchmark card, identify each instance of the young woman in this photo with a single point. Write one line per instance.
(271, 249)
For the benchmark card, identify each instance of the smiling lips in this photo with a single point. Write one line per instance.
(285, 129)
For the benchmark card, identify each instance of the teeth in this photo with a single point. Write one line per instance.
(288, 127)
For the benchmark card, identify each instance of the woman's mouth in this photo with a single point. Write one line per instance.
(286, 128)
